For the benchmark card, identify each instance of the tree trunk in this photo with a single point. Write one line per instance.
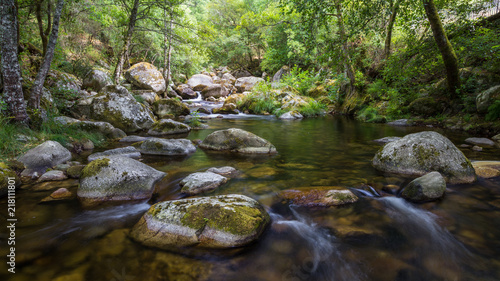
(126, 44)
(13, 91)
(36, 91)
(390, 26)
(345, 50)
(167, 51)
(447, 52)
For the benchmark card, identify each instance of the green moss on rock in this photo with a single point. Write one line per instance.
(94, 167)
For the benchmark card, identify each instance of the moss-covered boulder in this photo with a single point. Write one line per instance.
(201, 182)
(486, 98)
(116, 178)
(75, 171)
(5, 175)
(244, 84)
(168, 107)
(239, 141)
(426, 106)
(171, 147)
(421, 153)
(227, 108)
(319, 196)
(146, 76)
(128, 151)
(166, 127)
(317, 91)
(115, 105)
(199, 82)
(217, 222)
(44, 156)
(425, 188)
(96, 79)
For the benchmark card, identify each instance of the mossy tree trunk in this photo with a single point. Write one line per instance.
(36, 91)
(126, 44)
(390, 26)
(349, 69)
(447, 52)
(13, 91)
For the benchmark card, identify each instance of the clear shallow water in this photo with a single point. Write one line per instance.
(377, 238)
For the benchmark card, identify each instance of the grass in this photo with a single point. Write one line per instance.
(11, 146)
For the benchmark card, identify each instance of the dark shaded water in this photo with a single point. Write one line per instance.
(377, 238)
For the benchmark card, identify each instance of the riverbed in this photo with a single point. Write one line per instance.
(380, 237)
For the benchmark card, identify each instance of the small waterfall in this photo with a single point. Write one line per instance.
(422, 226)
(198, 98)
(326, 261)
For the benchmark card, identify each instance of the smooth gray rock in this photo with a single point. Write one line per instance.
(226, 171)
(244, 84)
(116, 178)
(198, 82)
(425, 188)
(420, 153)
(385, 140)
(484, 142)
(216, 222)
(401, 122)
(291, 115)
(44, 156)
(239, 141)
(170, 147)
(486, 98)
(128, 151)
(133, 139)
(96, 80)
(201, 182)
(146, 76)
(53, 175)
(168, 127)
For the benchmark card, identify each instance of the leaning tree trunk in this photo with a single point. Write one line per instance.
(13, 91)
(36, 91)
(447, 52)
(345, 51)
(128, 38)
(390, 26)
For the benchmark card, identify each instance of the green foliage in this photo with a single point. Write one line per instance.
(300, 80)
(312, 109)
(371, 115)
(62, 96)
(195, 120)
(139, 99)
(493, 111)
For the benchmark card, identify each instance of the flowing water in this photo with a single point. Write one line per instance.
(380, 237)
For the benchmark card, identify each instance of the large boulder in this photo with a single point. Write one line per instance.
(44, 156)
(244, 84)
(285, 70)
(319, 196)
(201, 182)
(217, 222)
(96, 79)
(199, 82)
(420, 153)
(230, 78)
(237, 140)
(146, 76)
(128, 151)
(170, 107)
(170, 147)
(186, 92)
(116, 178)
(63, 82)
(168, 127)
(425, 188)
(103, 127)
(214, 90)
(486, 98)
(227, 108)
(118, 107)
(146, 96)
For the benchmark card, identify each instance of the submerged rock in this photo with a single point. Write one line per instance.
(58, 195)
(116, 178)
(128, 151)
(487, 169)
(385, 140)
(239, 141)
(146, 76)
(425, 188)
(201, 182)
(216, 222)
(401, 122)
(171, 147)
(168, 127)
(44, 156)
(319, 196)
(420, 153)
